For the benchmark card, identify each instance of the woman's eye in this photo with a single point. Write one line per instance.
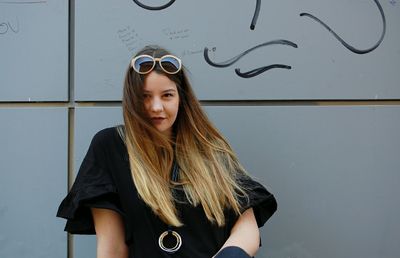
(168, 95)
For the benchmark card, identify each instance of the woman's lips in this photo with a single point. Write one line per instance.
(157, 120)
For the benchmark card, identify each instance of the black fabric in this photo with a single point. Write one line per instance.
(232, 252)
(104, 181)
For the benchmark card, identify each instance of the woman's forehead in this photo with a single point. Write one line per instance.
(156, 82)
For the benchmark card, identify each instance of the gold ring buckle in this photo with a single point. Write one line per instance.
(168, 249)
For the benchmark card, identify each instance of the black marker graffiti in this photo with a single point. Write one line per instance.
(260, 70)
(154, 8)
(3, 28)
(129, 37)
(6, 26)
(236, 58)
(349, 47)
(176, 34)
(255, 16)
(157, 8)
(256, 71)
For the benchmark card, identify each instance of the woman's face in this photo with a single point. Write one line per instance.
(161, 101)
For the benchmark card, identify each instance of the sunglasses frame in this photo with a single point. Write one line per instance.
(155, 59)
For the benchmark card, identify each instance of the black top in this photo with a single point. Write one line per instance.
(104, 181)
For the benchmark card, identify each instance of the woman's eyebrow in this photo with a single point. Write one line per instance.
(168, 90)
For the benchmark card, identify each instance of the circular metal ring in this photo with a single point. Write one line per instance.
(177, 238)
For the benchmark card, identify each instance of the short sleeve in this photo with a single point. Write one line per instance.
(259, 198)
(93, 187)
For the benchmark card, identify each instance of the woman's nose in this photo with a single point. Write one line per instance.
(156, 105)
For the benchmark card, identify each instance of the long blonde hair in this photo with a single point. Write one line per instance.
(208, 168)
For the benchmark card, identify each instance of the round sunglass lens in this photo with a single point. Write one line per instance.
(170, 64)
(144, 64)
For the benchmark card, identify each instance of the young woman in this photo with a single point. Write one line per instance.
(166, 184)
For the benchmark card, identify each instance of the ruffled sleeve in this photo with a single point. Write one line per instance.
(93, 187)
(259, 198)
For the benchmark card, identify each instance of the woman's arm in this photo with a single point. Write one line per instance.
(245, 233)
(110, 234)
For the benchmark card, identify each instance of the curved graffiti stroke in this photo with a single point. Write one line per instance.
(260, 70)
(349, 47)
(256, 71)
(236, 58)
(7, 25)
(154, 8)
(255, 16)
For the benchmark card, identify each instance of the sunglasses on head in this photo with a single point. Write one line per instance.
(144, 64)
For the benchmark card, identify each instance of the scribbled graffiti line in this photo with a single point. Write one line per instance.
(255, 16)
(256, 71)
(260, 70)
(6, 26)
(154, 8)
(157, 8)
(348, 46)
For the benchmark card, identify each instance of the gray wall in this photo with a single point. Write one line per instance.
(33, 178)
(34, 50)
(322, 68)
(322, 136)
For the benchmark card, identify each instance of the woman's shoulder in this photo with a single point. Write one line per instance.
(109, 141)
(108, 135)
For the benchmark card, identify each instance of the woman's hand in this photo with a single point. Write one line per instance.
(244, 234)
(110, 234)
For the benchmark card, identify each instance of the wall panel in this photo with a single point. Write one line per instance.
(33, 180)
(34, 51)
(320, 66)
